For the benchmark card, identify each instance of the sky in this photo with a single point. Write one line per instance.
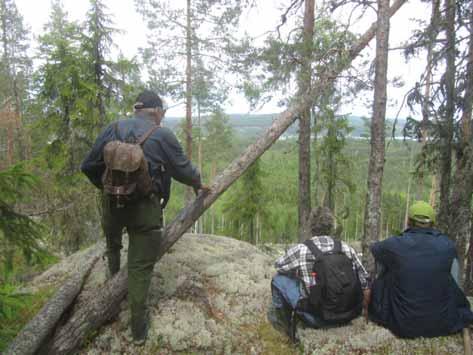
(258, 21)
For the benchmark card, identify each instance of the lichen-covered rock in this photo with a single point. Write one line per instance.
(211, 295)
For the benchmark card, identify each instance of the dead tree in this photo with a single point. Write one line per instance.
(30, 339)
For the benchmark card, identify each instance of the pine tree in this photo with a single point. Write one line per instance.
(96, 44)
(14, 78)
(372, 223)
(305, 78)
(182, 51)
(246, 204)
(17, 231)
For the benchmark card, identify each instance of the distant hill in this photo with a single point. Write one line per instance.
(249, 125)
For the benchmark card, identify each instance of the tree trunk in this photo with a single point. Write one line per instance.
(199, 161)
(428, 85)
(445, 168)
(104, 303)
(332, 169)
(460, 218)
(376, 163)
(98, 67)
(189, 193)
(34, 334)
(469, 262)
(305, 77)
(408, 192)
(316, 161)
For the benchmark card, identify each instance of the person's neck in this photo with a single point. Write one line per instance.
(147, 116)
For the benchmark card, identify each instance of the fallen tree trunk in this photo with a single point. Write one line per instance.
(33, 335)
(92, 315)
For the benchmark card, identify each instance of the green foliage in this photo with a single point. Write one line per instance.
(79, 90)
(15, 64)
(278, 62)
(16, 310)
(333, 166)
(246, 203)
(16, 229)
(213, 25)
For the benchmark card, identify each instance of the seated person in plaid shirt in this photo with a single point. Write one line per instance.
(296, 266)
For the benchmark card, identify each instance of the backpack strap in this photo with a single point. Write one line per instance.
(337, 246)
(313, 248)
(115, 129)
(148, 133)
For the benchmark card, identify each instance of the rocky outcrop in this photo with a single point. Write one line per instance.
(211, 295)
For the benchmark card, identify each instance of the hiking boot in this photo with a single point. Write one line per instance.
(139, 329)
(136, 342)
(113, 259)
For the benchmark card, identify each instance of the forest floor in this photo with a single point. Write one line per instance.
(211, 295)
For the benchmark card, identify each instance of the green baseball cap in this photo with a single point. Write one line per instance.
(422, 212)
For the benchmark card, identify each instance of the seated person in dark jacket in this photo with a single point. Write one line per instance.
(416, 293)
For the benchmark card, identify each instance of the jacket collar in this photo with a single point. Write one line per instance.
(417, 230)
(145, 116)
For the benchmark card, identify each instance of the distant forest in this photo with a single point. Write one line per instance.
(251, 125)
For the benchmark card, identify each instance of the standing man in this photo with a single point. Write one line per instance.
(416, 293)
(140, 213)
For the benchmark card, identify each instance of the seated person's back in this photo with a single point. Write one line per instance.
(415, 293)
(307, 290)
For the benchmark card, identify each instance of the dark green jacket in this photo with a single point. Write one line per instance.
(162, 150)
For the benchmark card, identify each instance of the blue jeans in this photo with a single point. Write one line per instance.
(286, 291)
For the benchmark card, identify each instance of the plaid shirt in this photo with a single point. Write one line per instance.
(299, 261)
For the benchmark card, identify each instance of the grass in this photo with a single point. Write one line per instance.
(17, 310)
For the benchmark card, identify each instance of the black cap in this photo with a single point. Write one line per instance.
(148, 99)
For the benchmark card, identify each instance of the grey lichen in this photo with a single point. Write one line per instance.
(211, 294)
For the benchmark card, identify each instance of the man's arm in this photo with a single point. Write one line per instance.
(363, 275)
(455, 270)
(289, 262)
(180, 166)
(380, 252)
(93, 165)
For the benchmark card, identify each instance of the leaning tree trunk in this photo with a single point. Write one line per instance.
(87, 318)
(305, 77)
(376, 164)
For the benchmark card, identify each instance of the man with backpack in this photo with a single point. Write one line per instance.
(321, 281)
(132, 162)
(416, 293)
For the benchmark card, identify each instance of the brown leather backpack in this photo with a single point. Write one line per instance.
(126, 176)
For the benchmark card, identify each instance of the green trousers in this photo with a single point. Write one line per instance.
(143, 221)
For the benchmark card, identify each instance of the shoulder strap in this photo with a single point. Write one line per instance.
(115, 129)
(313, 248)
(337, 246)
(148, 133)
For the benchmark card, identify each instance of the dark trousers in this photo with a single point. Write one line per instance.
(143, 222)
